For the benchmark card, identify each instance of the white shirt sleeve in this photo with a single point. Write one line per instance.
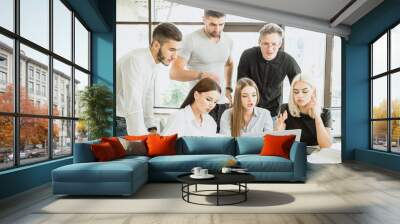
(149, 119)
(268, 123)
(225, 123)
(174, 124)
(133, 87)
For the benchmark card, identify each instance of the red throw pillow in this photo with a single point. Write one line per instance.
(136, 137)
(277, 145)
(103, 151)
(116, 145)
(161, 145)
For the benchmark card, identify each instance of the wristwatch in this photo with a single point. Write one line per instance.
(229, 88)
(152, 129)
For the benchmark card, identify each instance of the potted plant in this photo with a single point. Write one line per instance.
(96, 103)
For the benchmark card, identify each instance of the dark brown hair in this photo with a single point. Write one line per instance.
(212, 13)
(204, 85)
(165, 32)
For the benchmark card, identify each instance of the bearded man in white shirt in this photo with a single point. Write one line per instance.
(136, 72)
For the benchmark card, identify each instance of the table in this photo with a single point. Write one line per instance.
(238, 179)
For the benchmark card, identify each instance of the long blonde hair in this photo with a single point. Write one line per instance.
(294, 110)
(237, 118)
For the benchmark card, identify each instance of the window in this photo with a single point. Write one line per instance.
(385, 97)
(45, 130)
(30, 87)
(62, 29)
(34, 21)
(3, 78)
(308, 48)
(7, 14)
(81, 45)
(30, 72)
(62, 74)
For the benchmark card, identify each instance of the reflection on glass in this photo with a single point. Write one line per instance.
(131, 37)
(395, 47)
(6, 75)
(132, 11)
(81, 81)
(379, 55)
(81, 131)
(308, 48)
(379, 97)
(34, 144)
(337, 72)
(62, 89)
(395, 138)
(6, 142)
(62, 138)
(62, 29)
(164, 11)
(379, 135)
(395, 95)
(35, 21)
(34, 96)
(81, 45)
(7, 14)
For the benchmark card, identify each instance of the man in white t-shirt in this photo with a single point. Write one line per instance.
(136, 72)
(207, 53)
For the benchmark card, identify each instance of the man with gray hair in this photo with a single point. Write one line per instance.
(268, 67)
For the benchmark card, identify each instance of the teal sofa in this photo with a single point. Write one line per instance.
(125, 176)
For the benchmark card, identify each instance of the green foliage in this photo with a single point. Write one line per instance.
(96, 102)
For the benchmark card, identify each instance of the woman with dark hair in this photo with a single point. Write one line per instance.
(244, 118)
(193, 118)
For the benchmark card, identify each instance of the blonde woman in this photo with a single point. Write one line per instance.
(303, 112)
(244, 118)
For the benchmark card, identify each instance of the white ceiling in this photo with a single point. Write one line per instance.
(316, 15)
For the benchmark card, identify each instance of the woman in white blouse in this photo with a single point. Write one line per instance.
(193, 118)
(244, 118)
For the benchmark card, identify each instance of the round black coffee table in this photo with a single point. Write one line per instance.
(238, 179)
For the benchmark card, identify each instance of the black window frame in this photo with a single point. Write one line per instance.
(16, 115)
(388, 74)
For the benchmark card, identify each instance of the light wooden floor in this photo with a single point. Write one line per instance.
(378, 188)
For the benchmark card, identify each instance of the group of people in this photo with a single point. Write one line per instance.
(204, 59)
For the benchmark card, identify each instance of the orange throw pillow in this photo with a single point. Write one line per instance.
(116, 145)
(161, 145)
(277, 145)
(103, 151)
(136, 137)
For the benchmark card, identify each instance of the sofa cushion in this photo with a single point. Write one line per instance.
(103, 152)
(112, 171)
(134, 147)
(116, 145)
(277, 145)
(185, 163)
(249, 145)
(257, 163)
(83, 152)
(161, 145)
(197, 145)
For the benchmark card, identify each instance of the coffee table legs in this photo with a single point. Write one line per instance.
(241, 191)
